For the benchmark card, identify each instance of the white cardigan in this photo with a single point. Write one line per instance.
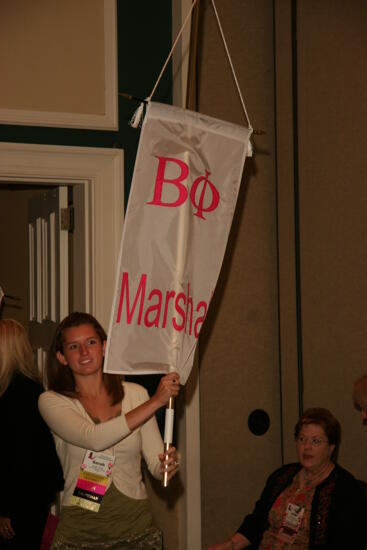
(74, 432)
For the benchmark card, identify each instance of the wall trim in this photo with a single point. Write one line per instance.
(107, 121)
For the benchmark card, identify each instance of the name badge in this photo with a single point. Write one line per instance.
(291, 522)
(94, 476)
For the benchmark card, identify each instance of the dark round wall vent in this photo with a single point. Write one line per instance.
(258, 422)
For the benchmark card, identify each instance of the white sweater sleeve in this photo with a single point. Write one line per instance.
(152, 443)
(68, 423)
(152, 446)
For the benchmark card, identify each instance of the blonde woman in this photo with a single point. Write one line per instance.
(30, 470)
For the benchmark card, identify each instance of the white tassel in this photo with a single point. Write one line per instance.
(250, 149)
(137, 116)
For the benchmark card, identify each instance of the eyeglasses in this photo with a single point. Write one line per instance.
(314, 441)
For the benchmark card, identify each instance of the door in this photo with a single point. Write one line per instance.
(48, 268)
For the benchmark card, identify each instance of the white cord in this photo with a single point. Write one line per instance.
(231, 65)
(137, 116)
(136, 120)
(172, 50)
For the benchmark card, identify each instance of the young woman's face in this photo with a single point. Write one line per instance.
(83, 350)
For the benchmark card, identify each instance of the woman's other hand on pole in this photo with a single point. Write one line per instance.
(169, 462)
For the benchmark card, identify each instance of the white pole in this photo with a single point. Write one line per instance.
(168, 432)
(180, 263)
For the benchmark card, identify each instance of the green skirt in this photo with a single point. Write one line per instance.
(121, 523)
(149, 539)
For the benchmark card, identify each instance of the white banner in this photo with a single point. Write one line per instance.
(183, 195)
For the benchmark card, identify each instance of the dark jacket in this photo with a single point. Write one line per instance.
(31, 473)
(338, 514)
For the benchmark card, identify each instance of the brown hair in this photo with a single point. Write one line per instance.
(328, 422)
(60, 377)
(16, 354)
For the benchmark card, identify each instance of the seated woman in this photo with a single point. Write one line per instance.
(312, 504)
(103, 427)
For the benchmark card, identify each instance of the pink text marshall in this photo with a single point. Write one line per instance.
(160, 308)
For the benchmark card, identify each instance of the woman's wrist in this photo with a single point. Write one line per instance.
(238, 541)
(156, 403)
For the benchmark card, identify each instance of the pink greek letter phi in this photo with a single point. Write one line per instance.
(205, 182)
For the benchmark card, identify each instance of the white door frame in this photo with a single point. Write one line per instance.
(100, 170)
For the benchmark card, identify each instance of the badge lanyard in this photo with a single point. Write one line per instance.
(291, 522)
(94, 476)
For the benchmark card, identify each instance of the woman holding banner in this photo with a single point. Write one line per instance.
(103, 427)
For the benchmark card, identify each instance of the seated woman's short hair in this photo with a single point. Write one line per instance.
(328, 422)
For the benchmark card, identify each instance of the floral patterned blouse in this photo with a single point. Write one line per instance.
(275, 537)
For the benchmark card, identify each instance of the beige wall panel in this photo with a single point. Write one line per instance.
(239, 346)
(164, 505)
(52, 55)
(333, 200)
